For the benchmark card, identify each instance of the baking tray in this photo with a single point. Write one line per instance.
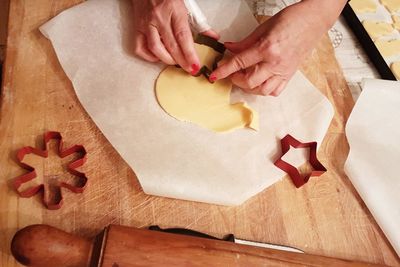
(367, 43)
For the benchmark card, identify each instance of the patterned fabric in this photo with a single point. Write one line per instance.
(336, 37)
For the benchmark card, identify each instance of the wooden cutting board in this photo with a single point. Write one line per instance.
(325, 217)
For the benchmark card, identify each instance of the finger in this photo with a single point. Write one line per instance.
(269, 85)
(251, 77)
(169, 41)
(185, 41)
(157, 47)
(141, 49)
(238, 62)
(211, 33)
(234, 47)
(280, 88)
(175, 51)
(247, 42)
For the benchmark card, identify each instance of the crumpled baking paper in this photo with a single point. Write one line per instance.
(93, 42)
(373, 132)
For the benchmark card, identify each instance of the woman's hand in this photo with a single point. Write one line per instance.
(163, 33)
(264, 62)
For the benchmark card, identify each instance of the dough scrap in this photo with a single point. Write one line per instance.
(388, 48)
(396, 22)
(392, 5)
(196, 100)
(395, 67)
(377, 29)
(363, 6)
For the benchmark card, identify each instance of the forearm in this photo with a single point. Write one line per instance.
(325, 12)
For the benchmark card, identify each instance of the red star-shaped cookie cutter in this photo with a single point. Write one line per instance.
(31, 174)
(293, 172)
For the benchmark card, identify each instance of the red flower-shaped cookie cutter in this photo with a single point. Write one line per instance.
(293, 172)
(71, 167)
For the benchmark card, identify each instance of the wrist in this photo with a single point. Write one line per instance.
(324, 12)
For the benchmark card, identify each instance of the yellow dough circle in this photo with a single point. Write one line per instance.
(196, 100)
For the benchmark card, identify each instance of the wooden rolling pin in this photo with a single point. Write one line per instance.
(120, 246)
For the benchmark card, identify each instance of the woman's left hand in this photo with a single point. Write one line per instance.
(264, 62)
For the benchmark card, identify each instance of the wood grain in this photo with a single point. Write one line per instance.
(325, 217)
(131, 247)
(42, 245)
(3, 27)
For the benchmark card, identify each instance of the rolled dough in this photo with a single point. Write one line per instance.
(196, 100)
(395, 67)
(363, 6)
(377, 29)
(388, 48)
(392, 5)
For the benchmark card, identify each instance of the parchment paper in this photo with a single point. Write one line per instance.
(373, 131)
(172, 158)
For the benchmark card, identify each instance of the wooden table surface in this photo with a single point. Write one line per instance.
(325, 217)
(3, 27)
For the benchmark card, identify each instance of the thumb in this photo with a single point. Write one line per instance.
(237, 47)
(234, 47)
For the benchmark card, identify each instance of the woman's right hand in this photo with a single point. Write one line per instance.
(162, 32)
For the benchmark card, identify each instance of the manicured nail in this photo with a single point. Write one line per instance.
(195, 69)
(228, 43)
(213, 78)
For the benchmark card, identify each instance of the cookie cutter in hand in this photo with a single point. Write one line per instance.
(31, 174)
(292, 171)
(217, 46)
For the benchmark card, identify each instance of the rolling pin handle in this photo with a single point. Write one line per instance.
(46, 246)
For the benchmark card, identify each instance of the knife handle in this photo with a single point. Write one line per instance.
(45, 246)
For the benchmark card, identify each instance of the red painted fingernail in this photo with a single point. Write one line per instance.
(213, 78)
(228, 43)
(195, 69)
